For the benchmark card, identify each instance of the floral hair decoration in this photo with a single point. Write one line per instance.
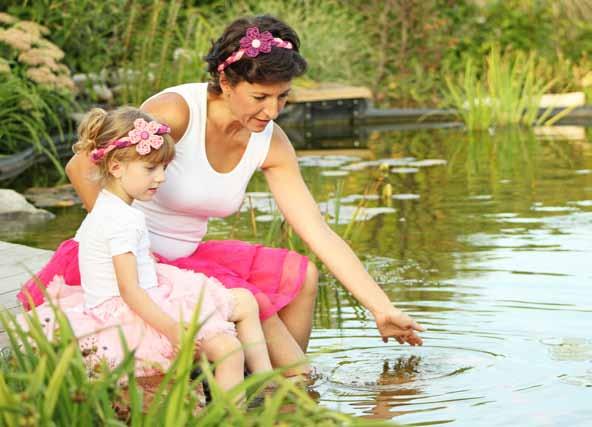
(254, 43)
(145, 136)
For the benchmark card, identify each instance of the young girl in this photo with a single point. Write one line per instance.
(121, 284)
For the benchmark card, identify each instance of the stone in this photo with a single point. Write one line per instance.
(53, 197)
(16, 213)
(102, 92)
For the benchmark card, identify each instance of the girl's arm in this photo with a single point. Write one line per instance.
(168, 108)
(138, 300)
(302, 213)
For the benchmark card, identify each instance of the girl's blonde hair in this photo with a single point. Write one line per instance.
(99, 128)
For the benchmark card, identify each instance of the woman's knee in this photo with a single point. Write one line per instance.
(310, 286)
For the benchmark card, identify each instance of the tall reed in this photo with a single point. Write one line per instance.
(165, 44)
(506, 91)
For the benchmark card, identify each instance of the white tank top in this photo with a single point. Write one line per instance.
(177, 216)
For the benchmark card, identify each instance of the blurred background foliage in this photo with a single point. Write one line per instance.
(402, 49)
(122, 51)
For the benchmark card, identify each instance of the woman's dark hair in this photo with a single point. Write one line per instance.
(279, 65)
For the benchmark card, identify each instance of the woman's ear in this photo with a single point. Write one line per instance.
(115, 168)
(224, 83)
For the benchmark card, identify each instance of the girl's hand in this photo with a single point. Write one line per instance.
(173, 334)
(398, 325)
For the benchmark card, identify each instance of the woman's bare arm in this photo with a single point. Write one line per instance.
(170, 109)
(79, 170)
(302, 213)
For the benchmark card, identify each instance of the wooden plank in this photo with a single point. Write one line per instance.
(8, 299)
(357, 152)
(3, 337)
(17, 263)
(571, 133)
(563, 100)
(328, 92)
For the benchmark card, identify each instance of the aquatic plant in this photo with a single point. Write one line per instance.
(506, 92)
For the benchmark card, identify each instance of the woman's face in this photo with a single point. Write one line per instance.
(255, 104)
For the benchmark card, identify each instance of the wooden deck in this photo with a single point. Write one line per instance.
(328, 92)
(17, 264)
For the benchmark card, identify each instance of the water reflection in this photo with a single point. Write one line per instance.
(492, 256)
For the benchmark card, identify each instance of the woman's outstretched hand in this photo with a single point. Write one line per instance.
(398, 325)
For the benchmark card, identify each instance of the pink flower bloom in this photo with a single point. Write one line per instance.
(143, 147)
(134, 136)
(155, 141)
(254, 42)
(145, 135)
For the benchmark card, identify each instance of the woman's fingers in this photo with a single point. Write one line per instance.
(416, 326)
(404, 336)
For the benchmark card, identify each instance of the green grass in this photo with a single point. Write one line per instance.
(46, 383)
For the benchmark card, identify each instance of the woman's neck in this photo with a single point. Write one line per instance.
(220, 118)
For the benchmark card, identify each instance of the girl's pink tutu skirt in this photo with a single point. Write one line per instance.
(274, 275)
(97, 329)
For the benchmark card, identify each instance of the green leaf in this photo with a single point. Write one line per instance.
(57, 379)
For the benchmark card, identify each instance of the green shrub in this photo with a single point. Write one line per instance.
(36, 92)
(89, 31)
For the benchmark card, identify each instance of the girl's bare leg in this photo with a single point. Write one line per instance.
(297, 316)
(226, 351)
(283, 349)
(250, 333)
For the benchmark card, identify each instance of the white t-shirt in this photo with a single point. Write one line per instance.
(112, 228)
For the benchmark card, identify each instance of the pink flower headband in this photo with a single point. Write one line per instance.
(145, 136)
(253, 44)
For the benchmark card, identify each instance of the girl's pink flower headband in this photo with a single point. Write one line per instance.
(253, 44)
(145, 136)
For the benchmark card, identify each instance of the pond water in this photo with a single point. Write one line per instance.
(488, 244)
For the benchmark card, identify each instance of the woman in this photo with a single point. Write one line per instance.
(224, 131)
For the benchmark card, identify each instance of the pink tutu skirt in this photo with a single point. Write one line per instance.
(273, 275)
(178, 293)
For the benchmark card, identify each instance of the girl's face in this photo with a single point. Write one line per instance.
(255, 104)
(136, 180)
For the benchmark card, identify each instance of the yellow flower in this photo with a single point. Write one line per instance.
(17, 39)
(65, 82)
(50, 48)
(38, 57)
(32, 28)
(5, 18)
(42, 75)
